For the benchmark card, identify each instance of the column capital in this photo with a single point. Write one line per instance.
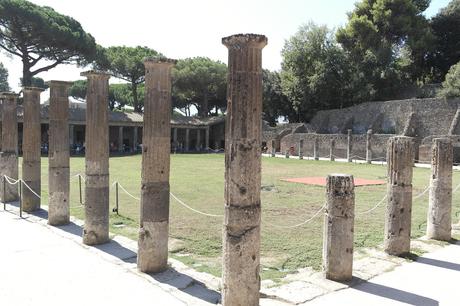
(238, 40)
(96, 74)
(53, 83)
(159, 61)
(33, 89)
(8, 94)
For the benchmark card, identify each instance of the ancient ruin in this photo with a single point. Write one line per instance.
(241, 233)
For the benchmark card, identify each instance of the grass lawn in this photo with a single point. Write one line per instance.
(199, 181)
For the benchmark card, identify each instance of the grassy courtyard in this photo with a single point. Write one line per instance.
(199, 181)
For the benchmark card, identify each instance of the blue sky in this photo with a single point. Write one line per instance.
(185, 28)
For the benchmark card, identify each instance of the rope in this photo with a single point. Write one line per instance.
(9, 179)
(126, 191)
(28, 187)
(79, 175)
(299, 224)
(373, 208)
(193, 209)
(421, 194)
(456, 188)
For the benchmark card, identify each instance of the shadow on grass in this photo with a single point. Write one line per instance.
(172, 277)
(392, 293)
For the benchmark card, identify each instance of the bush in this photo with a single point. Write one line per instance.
(451, 86)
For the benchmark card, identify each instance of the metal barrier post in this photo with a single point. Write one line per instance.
(79, 186)
(116, 198)
(20, 198)
(4, 192)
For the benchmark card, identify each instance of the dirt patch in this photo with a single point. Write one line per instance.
(321, 181)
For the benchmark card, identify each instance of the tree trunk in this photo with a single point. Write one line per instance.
(26, 74)
(136, 105)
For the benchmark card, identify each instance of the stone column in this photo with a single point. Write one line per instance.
(206, 138)
(301, 149)
(187, 140)
(368, 146)
(338, 227)
(175, 136)
(331, 150)
(241, 237)
(31, 149)
(198, 139)
(400, 156)
(58, 169)
(154, 220)
(273, 148)
(9, 153)
(316, 148)
(349, 145)
(439, 219)
(120, 139)
(71, 135)
(96, 228)
(135, 138)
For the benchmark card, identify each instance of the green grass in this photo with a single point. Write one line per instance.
(199, 181)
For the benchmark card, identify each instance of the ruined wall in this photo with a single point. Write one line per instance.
(432, 116)
(378, 144)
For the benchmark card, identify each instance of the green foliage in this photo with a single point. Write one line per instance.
(451, 86)
(37, 82)
(127, 63)
(316, 73)
(36, 33)
(275, 102)
(200, 82)
(445, 53)
(4, 86)
(387, 41)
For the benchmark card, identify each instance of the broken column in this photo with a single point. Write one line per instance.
(241, 237)
(349, 146)
(31, 149)
(338, 227)
(9, 153)
(154, 220)
(316, 148)
(301, 149)
(368, 146)
(400, 156)
(96, 228)
(58, 157)
(332, 149)
(439, 219)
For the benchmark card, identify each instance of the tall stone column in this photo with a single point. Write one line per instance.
(31, 149)
(71, 135)
(400, 156)
(332, 150)
(439, 219)
(198, 139)
(349, 145)
(316, 148)
(187, 140)
(58, 169)
(175, 136)
(9, 153)
(273, 148)
(241, 237)
(120, 139)
(154, 220)
(338, 227)
(369, 146)
(135, 138)
(206, 138)
(96, 228)
(301, 149)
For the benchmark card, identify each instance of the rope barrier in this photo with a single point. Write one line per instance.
(126, 191)
(193, 209)
(421, 193)
(9, 179)
(28, 187)
(373, 208)
(299, 224)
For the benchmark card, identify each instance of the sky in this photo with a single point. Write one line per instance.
(186, 28)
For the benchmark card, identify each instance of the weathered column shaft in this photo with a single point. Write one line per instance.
(120, 139)
(339, 227)
(369, 146)
(349, 146)
(96, 228)
(439, 219)
(273, 148)
(9, 153)
(206, 138)
(135, 138)
(400, 155)
(175, 135)
(332, 149)
(31, 149)
(316, 148)
(198, 139)
(71, 134)
(241, 236)
(187, 140)
(58, 157)
(154, 220)
(301, 149)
